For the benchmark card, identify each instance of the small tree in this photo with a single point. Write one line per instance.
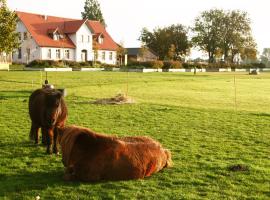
(95, 49)
(265, 57)
(120, 52)
(8, 36)
(162, 39)
(92, 11)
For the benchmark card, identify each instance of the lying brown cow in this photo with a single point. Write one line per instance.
(89, 156)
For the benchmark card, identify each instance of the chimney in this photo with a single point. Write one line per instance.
(45, 17)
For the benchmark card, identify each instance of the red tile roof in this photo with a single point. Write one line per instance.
(40, 25)
(108, 42)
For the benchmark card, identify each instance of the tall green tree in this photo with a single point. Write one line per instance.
(169, 43)
(228, 32)
(92, 11)
(207, 32)
(8, 36)
(236, 34)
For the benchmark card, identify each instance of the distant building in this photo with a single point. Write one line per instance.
(55, 38)
(141, 54)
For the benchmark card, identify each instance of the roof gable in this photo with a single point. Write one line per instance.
(99, 30)
(40, 25)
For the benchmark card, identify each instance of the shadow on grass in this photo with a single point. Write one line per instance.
(25, 181)
(5, 95)
(13, 81)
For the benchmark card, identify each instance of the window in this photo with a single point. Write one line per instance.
(101, 39)
(25, 36)
(49, 53)
(19, 53)
(57, 53)
(66, 54)
(95, 55)
(88, 38)
(103, 55)
(111, 56)
(82, 38)
(56, 36)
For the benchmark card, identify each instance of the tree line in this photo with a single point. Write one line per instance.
(222, 34)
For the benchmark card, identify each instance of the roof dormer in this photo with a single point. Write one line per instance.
(100, 38)
(56, 34)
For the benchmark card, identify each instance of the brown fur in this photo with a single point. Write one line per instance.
(47, 111)
(89, 156)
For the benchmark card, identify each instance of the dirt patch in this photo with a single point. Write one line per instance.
(118, 100)
(239, 168)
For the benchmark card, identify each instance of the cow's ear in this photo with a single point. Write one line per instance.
(59, 95)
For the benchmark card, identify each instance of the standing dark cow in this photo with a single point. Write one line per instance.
(89, 156)
(47, 111)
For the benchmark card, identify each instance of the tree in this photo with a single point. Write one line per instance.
(236, 34)
(92, 11)
(265, 57)
(228, 32)
(120, 53)
(8, 36)
(249, 51)
(207, 30)
(161, 40)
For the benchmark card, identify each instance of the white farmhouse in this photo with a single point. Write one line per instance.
(45, 37)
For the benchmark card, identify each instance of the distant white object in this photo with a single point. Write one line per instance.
(38, 197)
(254, 72)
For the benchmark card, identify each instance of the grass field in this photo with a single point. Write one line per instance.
(206, 122)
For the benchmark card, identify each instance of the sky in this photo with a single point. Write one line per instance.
(126, 18)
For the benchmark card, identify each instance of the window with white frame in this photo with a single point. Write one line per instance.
(81, 38)
(103, 55)
(49, 54)
(89, 39)
(58, 54)
(67, 54)
(111, 56)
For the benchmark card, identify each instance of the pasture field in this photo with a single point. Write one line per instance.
(208, 124)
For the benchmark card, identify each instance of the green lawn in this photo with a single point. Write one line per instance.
(199, 118)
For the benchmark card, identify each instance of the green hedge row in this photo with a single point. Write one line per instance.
(177, 65)
(61, 63)
(158, 64)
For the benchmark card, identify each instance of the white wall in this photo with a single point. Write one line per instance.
(107, 59)
(25, 44)
(44, 53)
(82, 45)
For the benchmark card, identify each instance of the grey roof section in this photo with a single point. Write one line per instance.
(135, 51)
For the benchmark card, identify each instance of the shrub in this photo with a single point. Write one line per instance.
(172, 65)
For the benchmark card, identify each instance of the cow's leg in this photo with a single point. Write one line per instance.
(69, 174)
(55, 146)
(44, 136)
(34, 132)
(49, 140)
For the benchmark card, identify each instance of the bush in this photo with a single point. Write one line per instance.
(172, 65)
(157, 64)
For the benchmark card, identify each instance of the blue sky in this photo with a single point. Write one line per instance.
(126, 18)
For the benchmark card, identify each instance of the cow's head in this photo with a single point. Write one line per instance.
(53, 101)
